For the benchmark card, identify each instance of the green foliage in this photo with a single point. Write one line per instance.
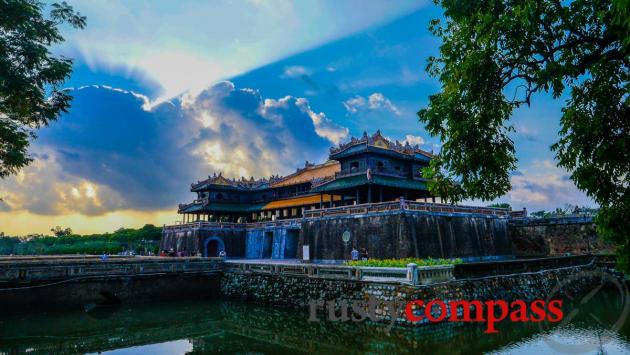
(123, 239)
(30, 76)
(539, 214)
(612, 224)
(495, 56)
(501, 205)
(403, 262)
(61, 232)
(567, 210)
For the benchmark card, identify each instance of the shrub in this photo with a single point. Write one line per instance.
(403, 262)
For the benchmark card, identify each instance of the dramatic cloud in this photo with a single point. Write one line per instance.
(374, 102)
(45, 188)
(184, 45)
(112, 152)
(323, 126)
(544, 186)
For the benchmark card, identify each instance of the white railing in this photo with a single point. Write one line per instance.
(412, 274)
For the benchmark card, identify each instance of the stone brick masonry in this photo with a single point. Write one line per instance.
(296, 291)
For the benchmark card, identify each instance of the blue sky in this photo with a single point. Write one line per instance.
(166, 93)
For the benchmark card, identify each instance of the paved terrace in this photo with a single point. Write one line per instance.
(355, 210)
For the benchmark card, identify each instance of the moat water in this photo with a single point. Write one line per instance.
(231, 327)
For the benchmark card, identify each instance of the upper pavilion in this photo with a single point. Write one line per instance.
(363, 170)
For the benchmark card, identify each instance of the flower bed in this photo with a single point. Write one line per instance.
(403, 262)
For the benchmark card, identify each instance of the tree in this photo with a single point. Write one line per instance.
(501, 205)
(539, 214)
(61, 232)
(497, 54)
(30, 76)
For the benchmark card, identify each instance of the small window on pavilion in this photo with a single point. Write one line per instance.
(397, 168)
(219, 196)
(380, 164)
(354, 165)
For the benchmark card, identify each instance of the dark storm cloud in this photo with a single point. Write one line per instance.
(109, 153)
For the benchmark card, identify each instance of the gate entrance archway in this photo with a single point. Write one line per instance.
(212, 247)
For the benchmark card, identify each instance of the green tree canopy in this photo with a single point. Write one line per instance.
(501, 205)
(61, 232)
(30, 76)
(496, 54)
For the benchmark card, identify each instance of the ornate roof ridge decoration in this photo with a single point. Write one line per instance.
(380, 141)
(307, 166)
(252, 183)
(243, 182)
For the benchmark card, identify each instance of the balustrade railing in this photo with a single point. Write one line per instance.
(293, 222)
(404, 205)
(366, 208)
(412, 274)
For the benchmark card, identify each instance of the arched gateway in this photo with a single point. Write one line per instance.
(212, 247)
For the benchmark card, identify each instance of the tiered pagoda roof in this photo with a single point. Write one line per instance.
(392, 167)
(377, 140)
(314, 173)
(240, 184)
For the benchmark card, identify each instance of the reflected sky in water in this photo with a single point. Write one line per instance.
(231, 327)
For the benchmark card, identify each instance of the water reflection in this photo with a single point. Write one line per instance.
(228, 327)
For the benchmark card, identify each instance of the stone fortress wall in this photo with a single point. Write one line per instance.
(557, 236)
(300, 291)
(392, 234)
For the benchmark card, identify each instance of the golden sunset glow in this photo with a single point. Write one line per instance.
(24, 223)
